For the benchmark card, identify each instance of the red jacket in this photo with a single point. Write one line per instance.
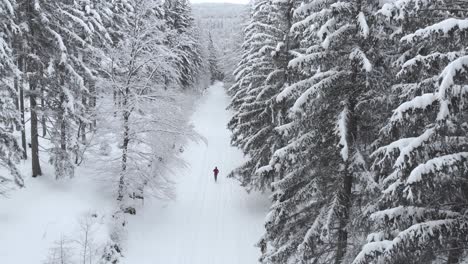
(216, 171)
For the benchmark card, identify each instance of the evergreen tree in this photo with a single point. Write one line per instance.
(183, 39)
(327, 134)
(259, 77)
(10, 150)
(216, 74)
(51, 50)
(420, 216)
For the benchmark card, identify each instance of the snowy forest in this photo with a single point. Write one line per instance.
(355, 115)
(339, 129)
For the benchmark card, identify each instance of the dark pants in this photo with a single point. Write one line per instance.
(216, 177)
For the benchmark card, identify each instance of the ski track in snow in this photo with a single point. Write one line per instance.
(208, 222)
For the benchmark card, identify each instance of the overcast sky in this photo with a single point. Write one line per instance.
(221, 1)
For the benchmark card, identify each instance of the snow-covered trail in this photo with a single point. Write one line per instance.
(209, 222)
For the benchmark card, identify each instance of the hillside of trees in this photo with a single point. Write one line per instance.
(222, 24)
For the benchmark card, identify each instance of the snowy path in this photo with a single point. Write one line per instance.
(216, 223)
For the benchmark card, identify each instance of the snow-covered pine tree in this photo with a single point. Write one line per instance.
(423, 167)
(327, 137)
(261, 75)
(183, 38)
(54, 38)
(90, 57)
(216, 74)
(71, 31)
(10, 150)
(115, 16)
(25, 57)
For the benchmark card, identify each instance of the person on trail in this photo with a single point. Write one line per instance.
(216, 171)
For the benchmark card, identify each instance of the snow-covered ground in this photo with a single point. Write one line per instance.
(34, 218)
(207, 223)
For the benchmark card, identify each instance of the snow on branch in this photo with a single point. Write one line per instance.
(410, 214)
(391, 149)
(324, 83)
(325, 28)
(371, 250)
(61, 45)
(340, 6)
(8, 7)
(419, 102)
(310, 7)
(78, 21)
(414, 64)
(342, 131)
(357, 54)
(456, 67)
(419, 236)
(336, 34)
(444, 26)
(448, 164)
(299, 86)
(398, 9)
(301, 60)
(322, 14)
(314, 230)
(362, 22)
(416, 143)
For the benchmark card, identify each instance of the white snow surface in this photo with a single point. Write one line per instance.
(32, 219)
(208, 222)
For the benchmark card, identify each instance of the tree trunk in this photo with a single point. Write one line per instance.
(92, 104)
(83, 125)
(344, 195)
(43, 117)
(23, 121)
(455, 253)
(126, 140)
(116, 105)
(63, 125)
(345, 204)
(17, 104)
(36, 166)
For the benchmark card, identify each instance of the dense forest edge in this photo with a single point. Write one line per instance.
(355, 115)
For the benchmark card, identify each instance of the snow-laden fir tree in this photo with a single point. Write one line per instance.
(423, 167)
(183, 38)
(54, 39)
(215, 72)
(10, 150)
(260, 76)
(322, 167)
(224, 22)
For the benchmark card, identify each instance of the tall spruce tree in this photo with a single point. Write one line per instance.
(421, 214)
(183, 38)
(10, 150)
(216, 74)
(261, 75)
(327, 136)
(52, 52)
